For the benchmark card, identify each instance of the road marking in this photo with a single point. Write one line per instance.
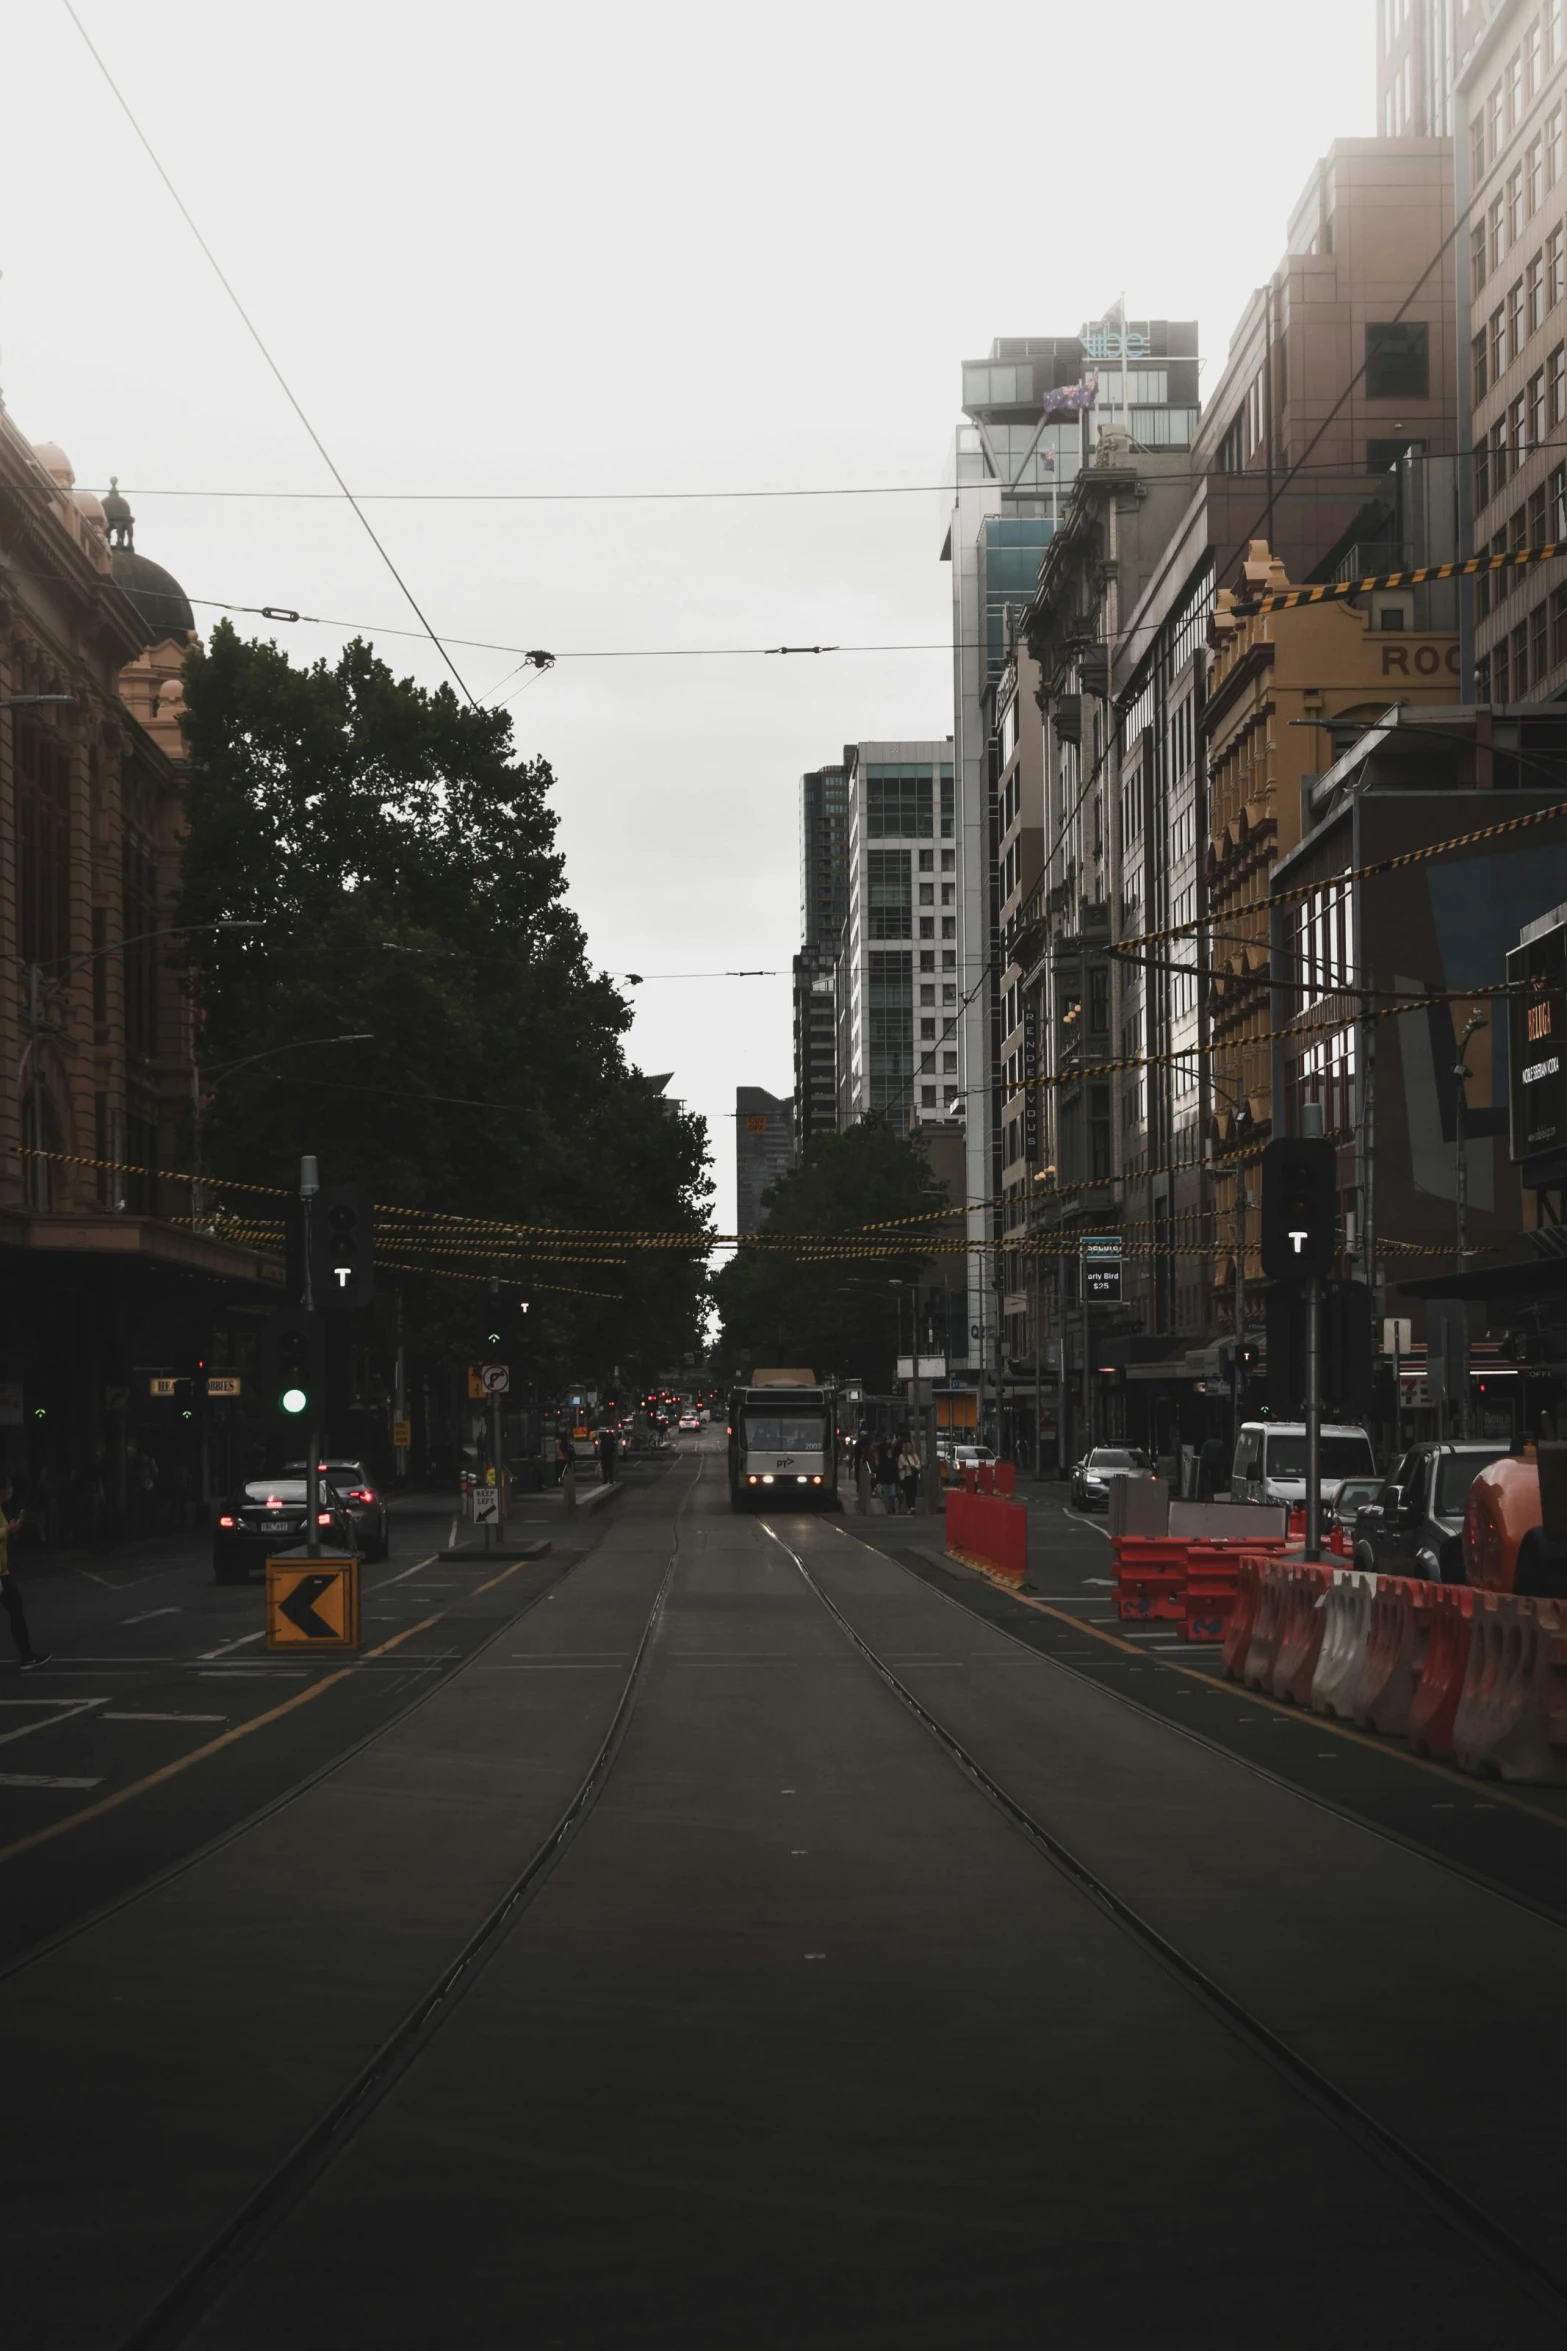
(120, 1717)
(244, 1642)
(44, 1779)
(387, 1581)
(242, 1730)
(65, 1708)
(254, 1673)
(147, 1616)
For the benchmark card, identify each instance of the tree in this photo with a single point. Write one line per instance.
(399, 863)
(839, 1315)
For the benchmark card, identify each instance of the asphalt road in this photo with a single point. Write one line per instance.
(892, 1982)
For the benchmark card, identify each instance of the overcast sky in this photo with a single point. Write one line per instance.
(496, 247)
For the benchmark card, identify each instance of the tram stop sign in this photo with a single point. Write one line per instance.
(1102, 1269)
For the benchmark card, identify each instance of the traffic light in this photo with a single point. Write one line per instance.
(1299, 1208)
(293, 1369)
(342, 1247)
(1344, 1340)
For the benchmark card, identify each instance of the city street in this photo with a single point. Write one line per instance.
(713, 1935)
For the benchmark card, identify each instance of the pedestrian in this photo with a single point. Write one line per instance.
(10, 1597)
(861, 1453)
(887, 1475)
(608, 1446)
(909, 1472)
(565, 1457)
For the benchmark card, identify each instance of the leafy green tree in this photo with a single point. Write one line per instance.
(840, 1314)
(399, 863)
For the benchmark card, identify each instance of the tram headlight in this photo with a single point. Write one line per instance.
(802, 1479)
(751, 1481)
(815, 1481)
(767, 1477)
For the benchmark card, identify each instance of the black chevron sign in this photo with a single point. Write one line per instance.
(300, 1609)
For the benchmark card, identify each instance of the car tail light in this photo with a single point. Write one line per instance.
(323, 1518)
(360, 1494)
(225, 1522)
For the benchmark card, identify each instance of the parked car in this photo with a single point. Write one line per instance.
(1270, 1461)
(1351, 1499)
(1092, 1475)
(1413, 1526)
(353, 1481)
(270, 1516)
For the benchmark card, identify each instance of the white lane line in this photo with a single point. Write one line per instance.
(148, 1614)
(1078, 1519)
(254, 1673)
(44, 1779)
(65, 1709)
(124, 1717)
(387, 1581)
(243, 1642)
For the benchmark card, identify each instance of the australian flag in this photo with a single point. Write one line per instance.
(1081, 395)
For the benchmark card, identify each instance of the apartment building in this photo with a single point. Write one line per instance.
(764, 1151)
(899, 986)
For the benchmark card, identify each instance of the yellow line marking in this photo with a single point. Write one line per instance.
(241, 1730)
(1302, 1716)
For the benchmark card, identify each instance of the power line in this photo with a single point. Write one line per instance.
(255, 335)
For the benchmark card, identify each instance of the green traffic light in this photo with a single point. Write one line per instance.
(293, 1400)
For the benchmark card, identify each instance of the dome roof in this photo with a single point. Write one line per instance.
(55, 463)
(90, 507)
(156, 593)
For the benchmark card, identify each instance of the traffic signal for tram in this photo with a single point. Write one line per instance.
(293, 1369)
(342, 1247)
(1299, 1208)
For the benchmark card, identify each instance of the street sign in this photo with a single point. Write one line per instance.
(313, 1603)
(496, 1378)
(161, 1384)
(223, 1383)
(402, 1434)
(486, 1505)
(1102, 1269)
(1537, 1044)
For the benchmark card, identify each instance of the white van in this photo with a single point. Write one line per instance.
(1270, 1461)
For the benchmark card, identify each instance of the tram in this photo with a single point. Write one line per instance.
(783, 1442)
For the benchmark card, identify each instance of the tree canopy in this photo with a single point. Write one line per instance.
(840, 1315)
(398, 863)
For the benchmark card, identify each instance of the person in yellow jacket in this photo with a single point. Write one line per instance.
(10, 1597)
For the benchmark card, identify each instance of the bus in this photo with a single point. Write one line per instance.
(783, 1442)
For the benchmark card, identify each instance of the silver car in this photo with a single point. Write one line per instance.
(356, 1491)
(1092, 1475)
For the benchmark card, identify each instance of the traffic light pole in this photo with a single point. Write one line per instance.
(309, 1186)
(1314, 1418)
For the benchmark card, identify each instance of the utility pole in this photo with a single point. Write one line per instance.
(1238, 1376)
(309, 1186)
(1477, 1020)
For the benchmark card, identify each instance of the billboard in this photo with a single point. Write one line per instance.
(1537, 1044)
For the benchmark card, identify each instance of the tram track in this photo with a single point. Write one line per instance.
(1394, 2154)
(223, 2259)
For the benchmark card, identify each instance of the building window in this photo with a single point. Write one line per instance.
(1482, 475)
(927, 893)
(1555, 267)
(949, 860)
(1517, 333)
(1551, 25)
(890, 1029)
(949, 926)
(1534, 173)
(890, 892)
(1558, 627)
(949, 1065)
(1521, 661)
(1501, 674)
(1483, 678)
(1477, 150)
(43, 847)
(949, 891)
(1537, 408)
(1499, 454)
(927, 860)
(1537, 504)
(928, 959)
(1556, 377)
(1480, 378)
(949, 959)
(1519, 424)
(897, 803)
(1476, 259)
(1536, 284)
(1515, 204)
(947, 821)
(927, 926)
(1539, 657)
(1398, 363)
(1498, 228)
(927, 1097)
(1553, 146)
(1558, 505)
(927, 1029)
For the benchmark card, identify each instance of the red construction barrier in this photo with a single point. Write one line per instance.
(1512, 1713)
(1401, 1613)
(1301, 1622)
(1150, 1576)
(1243, 1616)
(1297, 1519)
(1435, 1702)
(985, 1477)
(1212, 1576)
(1006, 1478)
(988, 1532)
(1267, 1631)
(971, 1477)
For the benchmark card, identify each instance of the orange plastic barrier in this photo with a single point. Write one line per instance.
(1243, 1616)
(1401, 1615)
(1512, 1714)
(1006, 1478)
(1267, 1631)
(1504, 1503)
(1212, 1579)
(985, 1477)
(1150, 1576)
(1297, 1519)
(988, 1532)
(1301, 1622)
(1435, 1703)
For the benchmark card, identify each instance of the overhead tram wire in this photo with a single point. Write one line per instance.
(255, 335)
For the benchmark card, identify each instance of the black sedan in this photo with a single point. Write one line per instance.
(269, 1517)
(356, 1489)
